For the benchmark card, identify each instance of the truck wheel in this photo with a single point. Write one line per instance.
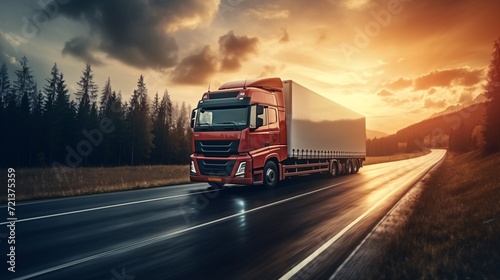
(333, 170)
(270, 175)
(355, 167)
(349, 167)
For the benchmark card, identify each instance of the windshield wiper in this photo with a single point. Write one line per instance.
(230, 122)
(207, 124)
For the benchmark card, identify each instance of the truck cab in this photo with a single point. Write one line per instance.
(237, 130)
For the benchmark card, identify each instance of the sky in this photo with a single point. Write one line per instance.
(395, 61)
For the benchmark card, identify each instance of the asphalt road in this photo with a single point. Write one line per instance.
(303, 229)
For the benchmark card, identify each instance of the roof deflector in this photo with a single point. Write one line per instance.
(273, 83)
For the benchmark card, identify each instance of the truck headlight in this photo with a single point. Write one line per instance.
(241, 169)
(193, 169)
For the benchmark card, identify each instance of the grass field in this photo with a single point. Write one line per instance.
(454, 230)
(36, 183)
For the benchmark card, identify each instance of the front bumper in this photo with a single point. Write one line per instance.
(221, 170)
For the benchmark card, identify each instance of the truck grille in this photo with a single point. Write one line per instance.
(216, 167)
(216, 148)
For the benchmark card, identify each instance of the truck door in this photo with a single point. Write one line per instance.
(260, 138)
(274, 128)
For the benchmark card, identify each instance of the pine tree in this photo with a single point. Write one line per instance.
(162, 120)
(182, 145)
(23, 133)
(86, 96)
(65, 110)
(37, 130)
(115, 140)
(25, 83)
(50, 89)
(4, 94)
(139, 125)
(52, 120)
(21, 102)
(4, 84)
(106, 95)
(492, 126)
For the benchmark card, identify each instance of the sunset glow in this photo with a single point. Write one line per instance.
(396, 62)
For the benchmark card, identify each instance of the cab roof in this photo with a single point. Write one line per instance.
(272, 83)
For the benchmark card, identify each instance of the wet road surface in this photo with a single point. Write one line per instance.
(302, 229)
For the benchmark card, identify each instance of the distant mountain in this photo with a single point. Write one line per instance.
(370, 134)
(458, 130)
(453, 108)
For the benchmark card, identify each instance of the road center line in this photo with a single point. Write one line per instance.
(103, 207)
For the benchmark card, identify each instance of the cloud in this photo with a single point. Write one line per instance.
(465, 98)
(82, 48)
(197, 68)
(431, 104)
(396, 101)
(399, 84)
(138, 33)
(355, 4)
(449, 77)
(7, 43)
(323, 37)
(385, 93)
(235, 49)
(273, 12)
(269, 70)
(285, 37)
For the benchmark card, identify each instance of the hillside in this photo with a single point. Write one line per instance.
(459, 130)
(453, 108)
(370, 134)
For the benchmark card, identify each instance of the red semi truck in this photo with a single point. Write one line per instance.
(262, 131)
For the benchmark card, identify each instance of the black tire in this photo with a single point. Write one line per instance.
(348, 167)
(270, 175)
(334, 170)
(355, 166)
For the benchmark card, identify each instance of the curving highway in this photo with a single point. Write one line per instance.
(303, 229)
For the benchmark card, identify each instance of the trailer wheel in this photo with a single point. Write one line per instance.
(355, 167)
(270, 175)
(334, 170)
(349, 167)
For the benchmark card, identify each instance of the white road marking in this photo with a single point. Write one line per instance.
(103, 207)
(166, 236)
(326, 245)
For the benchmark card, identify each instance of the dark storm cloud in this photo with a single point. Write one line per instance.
(138, 33)
(199, 67)
(83, 48)
(236, 49)
(196, 68)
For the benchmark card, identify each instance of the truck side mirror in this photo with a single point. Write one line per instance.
(260, 122)
(193, 117)
(256, 119)
(260, 110)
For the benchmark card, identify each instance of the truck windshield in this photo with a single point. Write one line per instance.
(218, 119)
